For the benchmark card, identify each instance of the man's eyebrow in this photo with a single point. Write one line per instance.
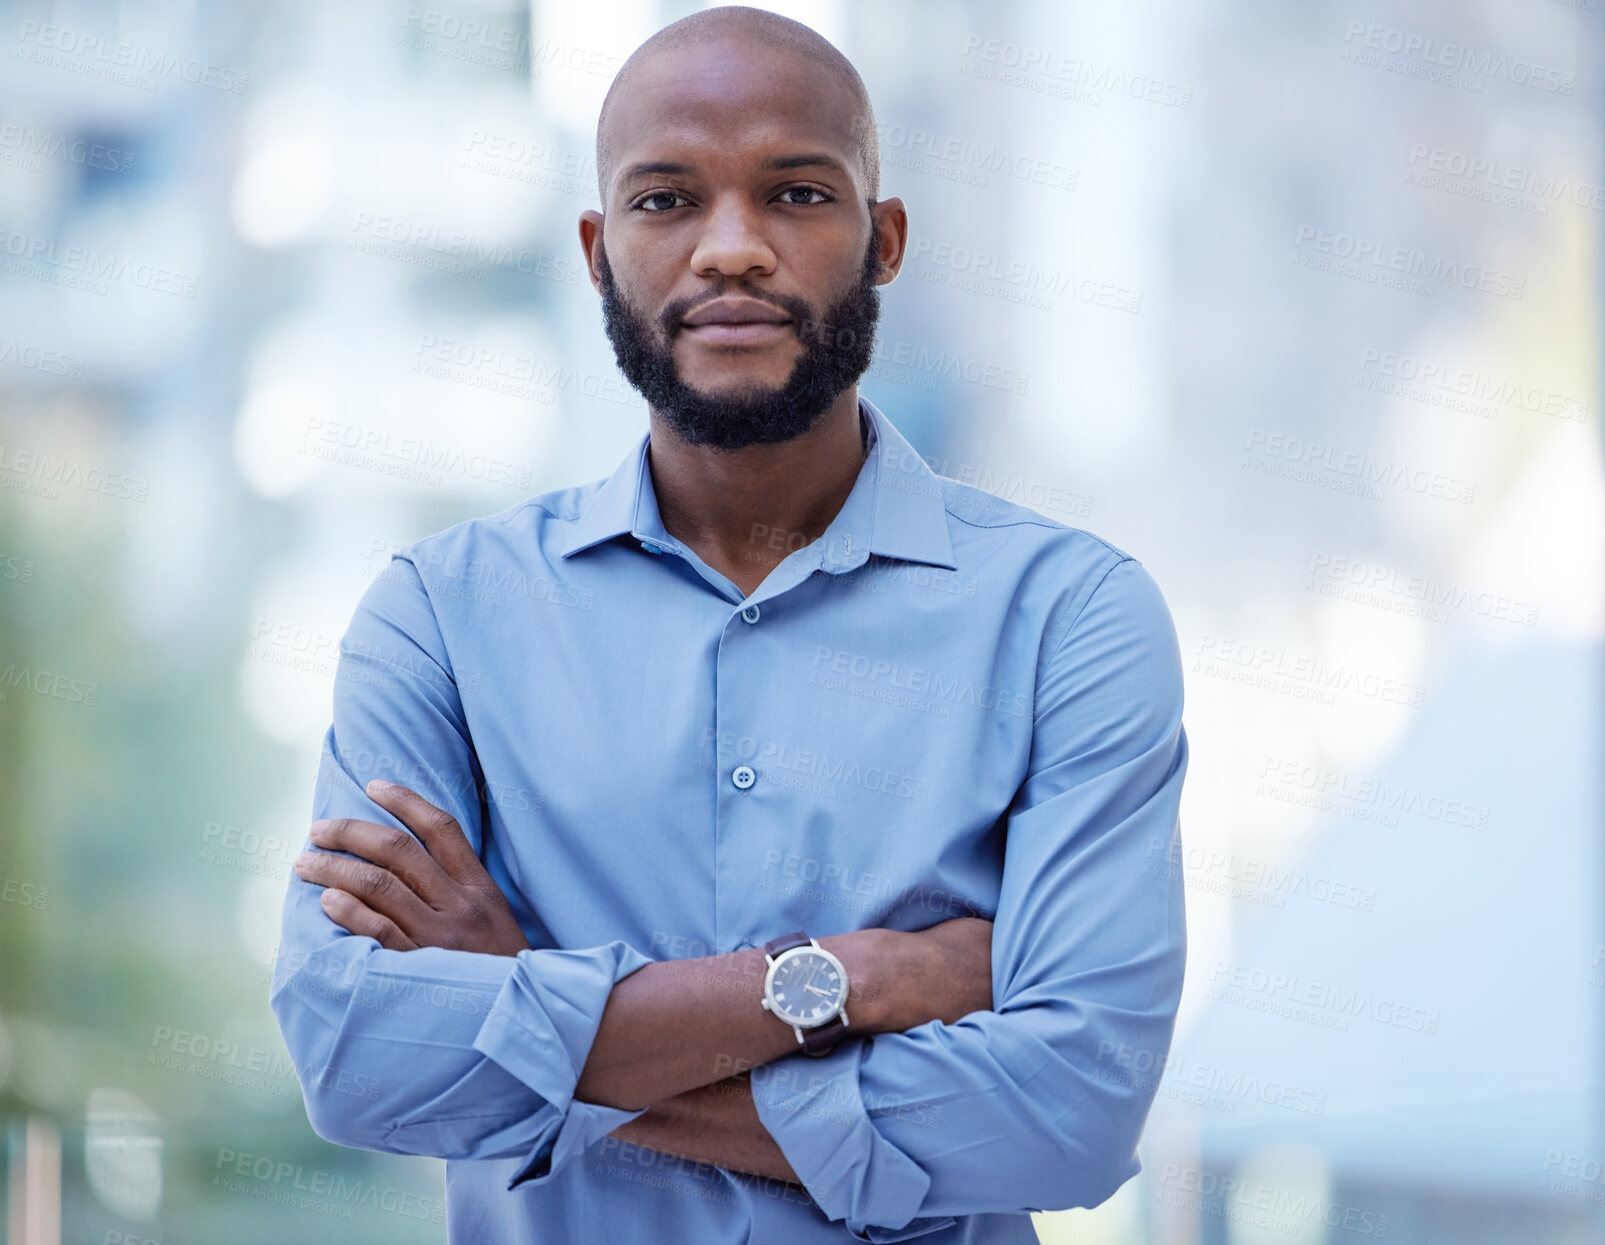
(648, 167)
(810, 159)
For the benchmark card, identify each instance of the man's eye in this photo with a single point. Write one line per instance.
(805, 190)
(656, 197)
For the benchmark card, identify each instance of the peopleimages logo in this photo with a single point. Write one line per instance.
(951, 365)
(776, 758)
(313, 1189)
(1022, 281)
(1366, 799)
(1053, 73)
(83, 267)
(1262, 1205)
(1368, 255)
(1314, 459)
(957, 689)
(351, 444)
(1436, 382)
(1438, 53)
(1146, 1069)
(30, 144)
(35, 359)
(426, 27)
(1258, 875)
(130, 64)
(428, 246)
(1329, 1005)
(1276, 669)
(1442, 168)
(1369, 583)
(962, 160)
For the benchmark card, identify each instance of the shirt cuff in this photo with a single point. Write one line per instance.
(814, 1111)
(541, 1028)
(584, 1124)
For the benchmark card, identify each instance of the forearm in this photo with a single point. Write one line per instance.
(715, 1124)
(678, 1025)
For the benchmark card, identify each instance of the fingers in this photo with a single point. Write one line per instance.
(347, 910)
(435, 827)
(391, 849)
(378, 888)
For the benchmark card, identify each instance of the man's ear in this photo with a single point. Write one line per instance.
(591, 244)
(889, 219)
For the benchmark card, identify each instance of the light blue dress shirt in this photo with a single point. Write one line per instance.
(946, 705)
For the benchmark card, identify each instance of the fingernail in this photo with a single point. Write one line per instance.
(379, 786)
(305, 858)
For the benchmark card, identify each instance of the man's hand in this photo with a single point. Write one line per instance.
(407, 893)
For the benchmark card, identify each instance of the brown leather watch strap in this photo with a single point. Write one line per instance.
(822, 1040)
(786, 942)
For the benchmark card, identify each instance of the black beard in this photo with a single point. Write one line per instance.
(836, 352)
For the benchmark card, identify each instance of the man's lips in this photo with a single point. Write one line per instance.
(732, 311)
(737, 321)
(749, 333)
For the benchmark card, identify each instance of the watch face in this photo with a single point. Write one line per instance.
(807, 987)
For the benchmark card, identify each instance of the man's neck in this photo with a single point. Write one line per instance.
(744, 510)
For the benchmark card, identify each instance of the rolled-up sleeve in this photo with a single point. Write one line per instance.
(451, 1054)
(1029, 1106)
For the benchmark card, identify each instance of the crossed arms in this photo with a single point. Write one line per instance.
(952, 1102)
(428, 888)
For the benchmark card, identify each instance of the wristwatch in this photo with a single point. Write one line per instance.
(806, 988)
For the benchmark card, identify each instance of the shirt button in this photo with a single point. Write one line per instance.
(750, 614)
(743, 776)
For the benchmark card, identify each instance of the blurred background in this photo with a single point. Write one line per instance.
(1296, 303)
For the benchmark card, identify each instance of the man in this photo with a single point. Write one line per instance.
(757, 844)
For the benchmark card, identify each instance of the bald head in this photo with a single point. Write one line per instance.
(736, 27)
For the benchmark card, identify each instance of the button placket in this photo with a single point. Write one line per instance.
(738, 669)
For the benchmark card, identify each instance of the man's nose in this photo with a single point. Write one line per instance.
(732, 243)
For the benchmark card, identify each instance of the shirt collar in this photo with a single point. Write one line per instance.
(896, 508)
